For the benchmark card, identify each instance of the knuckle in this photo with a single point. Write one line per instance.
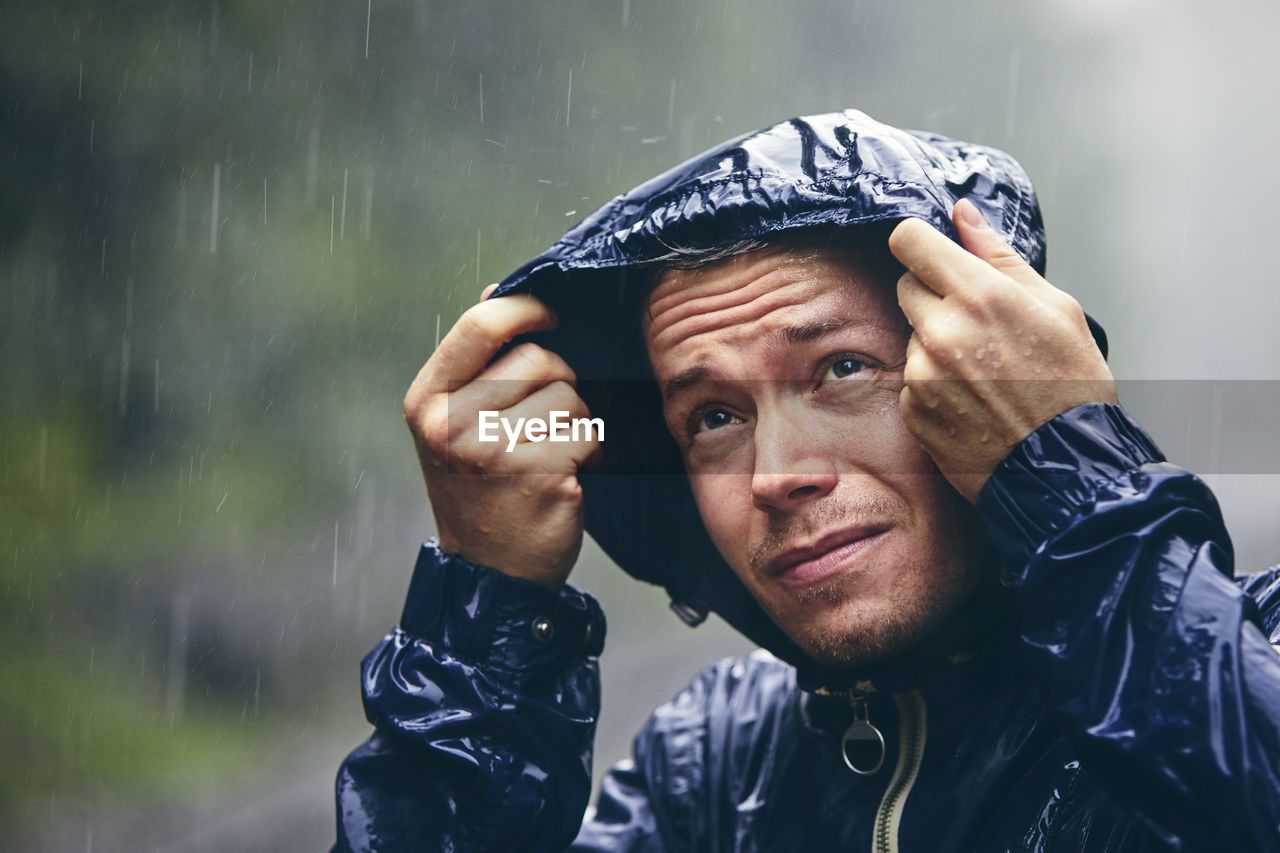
(572, 400)
(562, 392)
(531, 355)
(941, 340)
(561, 368)
(909, 402)
(433, 431)
(923, 373)
(1070, 304)
(569, 490)
(1005, 258)
(411, 406)
(914, 364)
(485, 456)
(551, 364)
(478, 322)
(542, 362)
(472, 459)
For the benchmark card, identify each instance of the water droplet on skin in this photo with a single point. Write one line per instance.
(985, 437)
(1026, 351)
(981, 353)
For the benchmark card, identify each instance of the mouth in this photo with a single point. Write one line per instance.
(825, 557)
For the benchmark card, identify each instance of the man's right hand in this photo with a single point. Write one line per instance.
(521, 511)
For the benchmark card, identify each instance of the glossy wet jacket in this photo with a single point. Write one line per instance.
(1119, 691)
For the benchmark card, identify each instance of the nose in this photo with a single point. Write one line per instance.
(789, 469)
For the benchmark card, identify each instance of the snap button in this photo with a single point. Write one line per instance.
(543, 630)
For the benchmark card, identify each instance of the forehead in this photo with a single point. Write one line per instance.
(736, 303)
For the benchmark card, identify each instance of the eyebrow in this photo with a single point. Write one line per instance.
(684, 380)
(802, 333)
(808, 332)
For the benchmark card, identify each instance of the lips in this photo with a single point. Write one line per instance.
(825, 556)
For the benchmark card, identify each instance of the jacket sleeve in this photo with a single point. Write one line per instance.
(1161, 666)
(484, 704)
(622, 819)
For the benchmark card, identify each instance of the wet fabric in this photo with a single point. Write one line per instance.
(1123, 695)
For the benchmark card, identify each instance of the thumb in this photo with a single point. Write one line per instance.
(980, 239)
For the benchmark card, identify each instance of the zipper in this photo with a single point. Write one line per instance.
(911, 736)
(862, 746)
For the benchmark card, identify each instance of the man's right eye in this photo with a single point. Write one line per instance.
(710, 419)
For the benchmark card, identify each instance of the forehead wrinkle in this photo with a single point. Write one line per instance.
(725, 317)
(722, 275)
(718, 301)
(704, 290)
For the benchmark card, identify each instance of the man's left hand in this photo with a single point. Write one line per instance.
(996, 350)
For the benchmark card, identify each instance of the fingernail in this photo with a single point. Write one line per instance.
(970, 214)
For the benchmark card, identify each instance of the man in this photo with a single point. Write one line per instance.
(892, 456)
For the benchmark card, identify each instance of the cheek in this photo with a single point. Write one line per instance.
(874, 439)
(904, 465)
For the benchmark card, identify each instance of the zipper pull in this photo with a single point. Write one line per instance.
(863, 744)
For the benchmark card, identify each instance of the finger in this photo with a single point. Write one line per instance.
(915, 359)
(561, 398)
(575, 454)
(478, 335)
(516, 375)
(488, 288)
(916, 300)
(913, 411)
(920, 373)
(985, 242)
(594, 460)
(941, 264)
(556, 397)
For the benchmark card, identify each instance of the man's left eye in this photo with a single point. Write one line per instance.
(844, 366)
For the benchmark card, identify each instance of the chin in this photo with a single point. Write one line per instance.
(866, 637)
(837, 628)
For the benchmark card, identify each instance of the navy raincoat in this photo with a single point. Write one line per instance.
(1120, 691)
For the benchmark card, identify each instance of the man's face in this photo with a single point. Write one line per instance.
(781, 370)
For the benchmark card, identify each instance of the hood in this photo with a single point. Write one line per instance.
(840, 169)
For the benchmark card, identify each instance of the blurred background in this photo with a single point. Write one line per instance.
(231, 232)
